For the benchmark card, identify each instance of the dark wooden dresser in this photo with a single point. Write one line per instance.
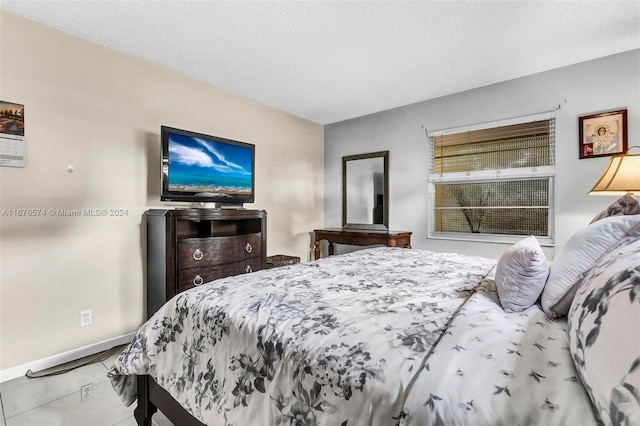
(189, 247)
(356, 237)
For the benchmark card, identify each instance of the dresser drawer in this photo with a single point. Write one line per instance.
(193, 277)
(196, 252)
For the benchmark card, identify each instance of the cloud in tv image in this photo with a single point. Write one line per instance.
(197, 165)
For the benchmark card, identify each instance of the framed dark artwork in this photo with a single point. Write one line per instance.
(603, 134)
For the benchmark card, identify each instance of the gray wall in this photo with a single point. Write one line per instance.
(604, 84)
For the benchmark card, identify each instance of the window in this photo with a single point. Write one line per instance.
(493, 182)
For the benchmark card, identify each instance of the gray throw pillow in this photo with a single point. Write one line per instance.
(624, 205)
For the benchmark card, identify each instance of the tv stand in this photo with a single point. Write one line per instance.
(189, 247)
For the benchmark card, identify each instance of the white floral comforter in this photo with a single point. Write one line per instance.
(496, 368)
(365, 338)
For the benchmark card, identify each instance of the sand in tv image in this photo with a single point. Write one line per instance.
(196, 165)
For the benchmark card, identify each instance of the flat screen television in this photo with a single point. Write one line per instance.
(201, 168)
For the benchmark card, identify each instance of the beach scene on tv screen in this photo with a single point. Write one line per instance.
(199, 165)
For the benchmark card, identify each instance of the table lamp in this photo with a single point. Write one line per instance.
(622, 176)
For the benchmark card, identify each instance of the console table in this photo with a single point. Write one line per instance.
(357, 237)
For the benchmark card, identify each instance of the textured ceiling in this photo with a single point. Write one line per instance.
(329, 61)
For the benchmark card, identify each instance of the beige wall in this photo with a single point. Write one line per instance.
(101, 111)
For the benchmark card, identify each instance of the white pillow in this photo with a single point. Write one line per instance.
(577, 256)
(521, 274)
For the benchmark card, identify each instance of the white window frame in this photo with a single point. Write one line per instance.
(525, 173)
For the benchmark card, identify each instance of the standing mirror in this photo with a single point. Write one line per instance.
(365, 191)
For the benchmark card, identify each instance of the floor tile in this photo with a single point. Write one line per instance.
(23, 394)
(55, 400)
(159, 419)
(1, 412)
(129, 421)
(103, 409)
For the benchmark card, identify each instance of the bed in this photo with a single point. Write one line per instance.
(387, 336)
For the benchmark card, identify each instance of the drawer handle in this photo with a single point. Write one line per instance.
(248, 248)
(197, 280)
(197, 255)
(248, 269)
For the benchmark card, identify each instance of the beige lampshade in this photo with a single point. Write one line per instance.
(621, 176)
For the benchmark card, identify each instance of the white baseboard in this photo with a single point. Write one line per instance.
(72, 355)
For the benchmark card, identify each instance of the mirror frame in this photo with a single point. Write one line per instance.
(367, 226)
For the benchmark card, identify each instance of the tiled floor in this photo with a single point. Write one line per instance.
(55, 400)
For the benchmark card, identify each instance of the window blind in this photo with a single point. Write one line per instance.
(494, 179)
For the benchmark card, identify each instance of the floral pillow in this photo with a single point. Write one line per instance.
(521, 273)
(604, 333)
(624, 205)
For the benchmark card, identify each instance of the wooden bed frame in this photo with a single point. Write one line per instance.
(153, 397)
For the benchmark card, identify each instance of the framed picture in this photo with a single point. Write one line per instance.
(603, 134)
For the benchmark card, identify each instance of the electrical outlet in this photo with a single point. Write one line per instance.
(85, 318)
(86, 392)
